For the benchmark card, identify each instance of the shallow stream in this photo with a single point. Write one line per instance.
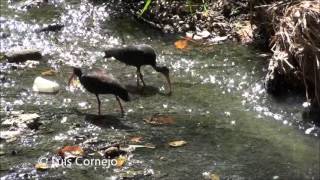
(232, 127)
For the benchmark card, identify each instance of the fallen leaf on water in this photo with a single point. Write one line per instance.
(50, 72)
(41, 166)
(120, 161)
(148, 145)
(75, 83)
(2, 153)
(136, 139)
(71, 152)
(214, 177)
(177, 143)
(205, 13)
(158, 119)
(181, 44)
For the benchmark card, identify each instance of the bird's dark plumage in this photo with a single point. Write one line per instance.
(134, 55)
(138, 55)
(97, 81)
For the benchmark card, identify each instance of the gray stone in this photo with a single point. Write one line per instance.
(52, 27)
(23, 55)
(22, 120)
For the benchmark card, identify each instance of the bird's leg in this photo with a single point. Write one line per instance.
(122, 111)
(138, 78)
(141, 77)
(99, 103)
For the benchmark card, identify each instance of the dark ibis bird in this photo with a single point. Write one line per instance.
(138, 55)
(97, 81)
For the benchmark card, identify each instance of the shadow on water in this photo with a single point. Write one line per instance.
(311, 116)
(106, 121)
(146, 91)
(103, 121)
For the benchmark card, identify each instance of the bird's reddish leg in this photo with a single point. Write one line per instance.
(99, 103)
(138, 78)
(141, 77)
(122, 111)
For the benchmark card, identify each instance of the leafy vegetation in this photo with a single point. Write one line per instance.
(146, 6)
(189, 3)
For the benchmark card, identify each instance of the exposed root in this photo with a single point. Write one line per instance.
(295, 42)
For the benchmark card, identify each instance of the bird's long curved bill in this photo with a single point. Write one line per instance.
(169, 84)
(71, 79)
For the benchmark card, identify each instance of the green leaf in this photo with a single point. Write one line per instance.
(146, 6)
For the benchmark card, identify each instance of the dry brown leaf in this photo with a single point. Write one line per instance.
(158, 119)
(75, 83)
(181, 44)
(41, 166)
(214, 177)
(136, 139)
(121, 161)
(71, 151)
(148, 145)
(177, 143)
(50, 72)
(205, 13)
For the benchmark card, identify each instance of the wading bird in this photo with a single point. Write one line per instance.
(139, 55)
(97, 81)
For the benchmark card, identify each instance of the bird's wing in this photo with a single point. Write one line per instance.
(136, 55)
(100, 77)
(132, 52)
(95, 71)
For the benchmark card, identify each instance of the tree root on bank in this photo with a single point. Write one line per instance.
(294, 31)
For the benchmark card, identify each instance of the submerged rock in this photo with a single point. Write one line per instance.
(52, 27)
(4, 35)
(23, 121)
(9, 136)
(23, 55)
(45, 86)
(26, 5)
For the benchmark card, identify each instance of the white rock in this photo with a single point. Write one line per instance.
(189, 34)
(309, 130)
(306, 104)
(64, 119)
(197, 37)
(45, 86)
(9, 134)
(218, 39)
(204, 34)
